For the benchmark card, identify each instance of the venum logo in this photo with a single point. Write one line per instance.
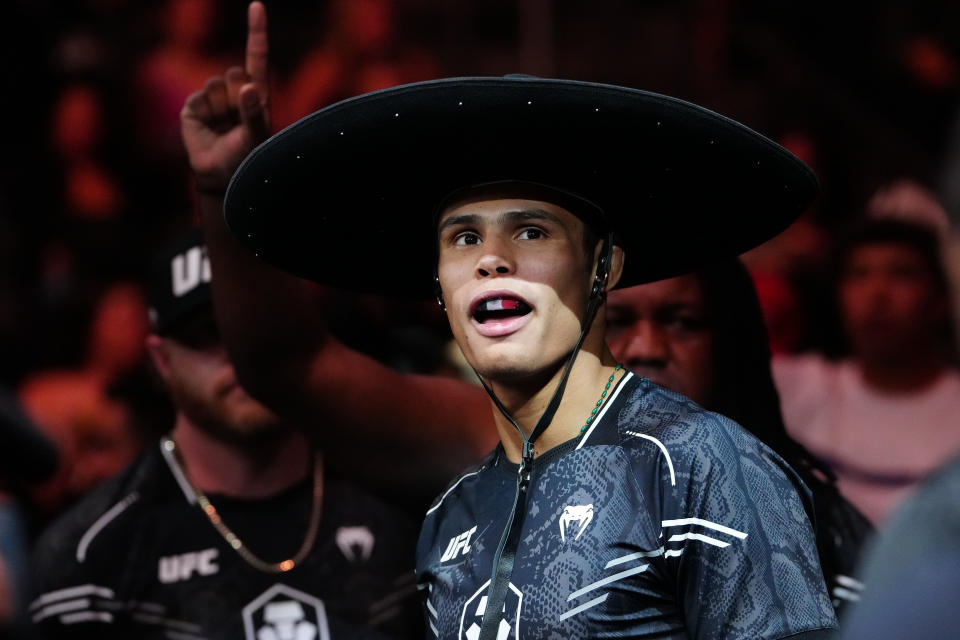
(188, 270)
(181, 567)
(458, 545)
(579, 516)
(356, 543)
(471, 619)
(284, 613)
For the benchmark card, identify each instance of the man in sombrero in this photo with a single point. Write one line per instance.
(611, 507)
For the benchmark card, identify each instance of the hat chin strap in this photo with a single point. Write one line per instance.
(506, 551)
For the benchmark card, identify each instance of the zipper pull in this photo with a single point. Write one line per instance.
(526, 464)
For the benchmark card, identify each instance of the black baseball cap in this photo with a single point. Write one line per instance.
(179, 286)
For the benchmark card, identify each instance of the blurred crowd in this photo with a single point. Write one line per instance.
(860, 296)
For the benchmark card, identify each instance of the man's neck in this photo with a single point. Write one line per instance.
(912, 374)
(217, 467)
(526, 403)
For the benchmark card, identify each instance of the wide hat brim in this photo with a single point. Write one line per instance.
(348, 195)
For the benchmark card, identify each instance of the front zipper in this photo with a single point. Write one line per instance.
(505, 556)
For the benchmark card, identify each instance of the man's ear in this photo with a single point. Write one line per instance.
(616, 266)
(613, 270)
(159, 355)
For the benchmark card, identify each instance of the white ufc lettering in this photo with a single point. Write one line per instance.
(189, 270)
(458, 545)
(181, 567)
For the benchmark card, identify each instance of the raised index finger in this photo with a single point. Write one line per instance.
(257, 47)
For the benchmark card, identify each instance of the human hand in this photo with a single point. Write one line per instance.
(224, 121)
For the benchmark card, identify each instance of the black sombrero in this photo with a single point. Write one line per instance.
(347, 195)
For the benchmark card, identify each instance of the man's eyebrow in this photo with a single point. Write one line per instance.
(522, 215)
(682, 305)
(519, 215)
(465, 218)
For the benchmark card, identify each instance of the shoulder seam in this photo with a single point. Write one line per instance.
(452, 487)
(663, 448)
(108, 516)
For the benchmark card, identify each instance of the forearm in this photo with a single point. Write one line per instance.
(273, 327)
(270, 321)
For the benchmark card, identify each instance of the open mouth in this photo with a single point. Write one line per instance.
(500, 308)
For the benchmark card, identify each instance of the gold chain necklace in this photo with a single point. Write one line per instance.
(234, 540)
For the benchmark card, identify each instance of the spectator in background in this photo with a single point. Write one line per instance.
(180, 62)
(363, 51)
(92, 192)
(703, 335)
(905, 198)
(228, 527)
(94, 431)
(886, 415)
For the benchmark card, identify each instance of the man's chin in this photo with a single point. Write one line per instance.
(506, 374)
(253, 437)
(245, 429)
(257, 427)
(518, 370)
(236, 419)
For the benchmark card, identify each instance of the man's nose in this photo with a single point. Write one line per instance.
(644, 343)
(876, 292)
(495, 260)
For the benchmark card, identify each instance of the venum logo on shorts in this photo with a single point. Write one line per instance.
(183, 566)
(284, 613)
(575, 519)
(472, 617)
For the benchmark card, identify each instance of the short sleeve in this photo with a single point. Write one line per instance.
(737, 537)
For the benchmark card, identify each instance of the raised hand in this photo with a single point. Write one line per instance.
(224, 121)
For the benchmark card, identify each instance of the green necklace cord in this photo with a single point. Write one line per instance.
(603, 397)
